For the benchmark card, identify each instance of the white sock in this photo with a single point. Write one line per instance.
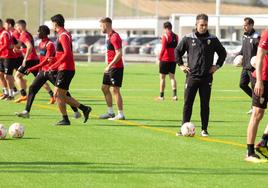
(110, 110)
(11, 92)
(5, 91)
(121, 113)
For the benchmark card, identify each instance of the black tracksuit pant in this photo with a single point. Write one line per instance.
(245, 79)
(38, 82)
(193, 85)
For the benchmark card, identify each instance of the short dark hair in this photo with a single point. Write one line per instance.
(43, 29)
(202, 16)
(167, 25)
(22, 23)
(58, 19)
(10, 21)
(106, 20)
(249, 20)
(1, 22)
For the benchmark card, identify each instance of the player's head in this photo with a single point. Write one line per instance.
(21, 25)
(248, 24)
(167, 25)
(43, 31)
(201, 23)
(1, 23)
(57, 21)
(9, 23)
(106, 24)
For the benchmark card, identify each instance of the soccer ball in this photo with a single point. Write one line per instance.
(16, 130)
(238, 61)
(3, 131)
(188, 129)
(253, 61)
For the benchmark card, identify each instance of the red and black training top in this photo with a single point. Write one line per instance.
(6, 45)
(114, 43)
(25, 38)
(47, 50)
(169, 43)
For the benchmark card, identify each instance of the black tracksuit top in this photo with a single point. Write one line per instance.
(249, 48)
(200, 50)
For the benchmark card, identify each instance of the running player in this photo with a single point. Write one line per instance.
(66, 69)
(31, 59)
(167, 64)
(259, 102)
(47, 50)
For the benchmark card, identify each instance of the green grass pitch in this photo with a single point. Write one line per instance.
(141, 152)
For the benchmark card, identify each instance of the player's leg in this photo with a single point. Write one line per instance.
(3, 82)
(163, 71)
(8, 65)
(106, 83)
(244, 83)
(172, 70)
(119, 103)
(38, 82)
(22, 83)
(50, 92)
(261, 147)
(60, 98)
(205, 93)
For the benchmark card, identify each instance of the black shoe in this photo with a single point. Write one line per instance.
(86, 113)
(63, 123)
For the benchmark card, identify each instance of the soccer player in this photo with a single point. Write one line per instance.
(167, 64)
(30, 59)
(200, 46)
(66, 69)
(249, 49)
(47, 50)
(113, 73)
(259, 101)
(7, 54)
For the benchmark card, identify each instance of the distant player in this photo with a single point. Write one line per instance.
(8, 56)
(259, 102)
(167, 64)
(64, 64)
(113, 73)
(47, 50)
(249, 49)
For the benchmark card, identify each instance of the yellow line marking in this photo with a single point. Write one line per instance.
(136, 124)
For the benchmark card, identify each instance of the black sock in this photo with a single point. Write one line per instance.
(174, 92)
(15, 89)
(23, 92)
(161, 94)
(51, 93)
(74, 109)
(251, 150)
(82, 107)
(65, 118)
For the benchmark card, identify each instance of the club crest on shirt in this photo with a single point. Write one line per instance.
(251, 40)
(208, 41)
(193, 42)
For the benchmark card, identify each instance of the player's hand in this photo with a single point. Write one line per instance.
(258, 89)
(106, 70)
(23, 63)
(16, 50)
(213, 69)
(185, 69)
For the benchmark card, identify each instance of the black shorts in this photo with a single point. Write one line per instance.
(18, 62)
(64, 79)
(2, 68)
(9, 65)
(260, 102)
(167, 67)
(114, 77)
(29, 64)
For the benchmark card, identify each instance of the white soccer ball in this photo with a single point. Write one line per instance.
(188, 129)
(253, 61)
(238, 61)
(3, 131)
(16, 130)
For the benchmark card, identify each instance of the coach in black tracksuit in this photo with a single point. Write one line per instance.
(200, 47)
(249, 49)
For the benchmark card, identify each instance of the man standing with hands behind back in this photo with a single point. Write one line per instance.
(200, 46)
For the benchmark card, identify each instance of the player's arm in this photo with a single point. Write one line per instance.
(5, 43)
(258, 89)
(118, 52)
(179, 52)
(221, 52)
(65, 42)
(29, 48)
(163, 47)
